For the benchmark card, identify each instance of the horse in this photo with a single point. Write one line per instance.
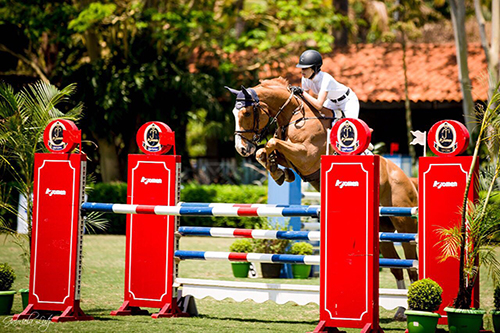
(298, 143)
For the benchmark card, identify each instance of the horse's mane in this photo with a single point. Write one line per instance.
(278, 82)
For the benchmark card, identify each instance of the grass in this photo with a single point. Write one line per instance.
(102, 292)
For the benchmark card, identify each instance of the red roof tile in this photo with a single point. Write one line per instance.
(375, 72)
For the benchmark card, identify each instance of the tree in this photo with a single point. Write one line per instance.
(492, 48)
(457, 9)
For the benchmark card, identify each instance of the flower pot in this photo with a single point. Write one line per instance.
(301, 271)
(421, 321)
(6, 299)
(25, 293)
(240, 269)
(464, 320)
(270, 271)
(495, 315)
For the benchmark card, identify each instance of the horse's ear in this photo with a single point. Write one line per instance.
(245, 91)
(233, 91)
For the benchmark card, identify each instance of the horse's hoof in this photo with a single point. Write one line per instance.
(280, 179)
(289, 175)
(400, 314)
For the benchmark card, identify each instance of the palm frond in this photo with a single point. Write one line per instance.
(94, 220)
(8, 102)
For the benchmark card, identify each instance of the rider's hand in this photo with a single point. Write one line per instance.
(296, 90)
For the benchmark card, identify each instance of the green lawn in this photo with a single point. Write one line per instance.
(102, 292)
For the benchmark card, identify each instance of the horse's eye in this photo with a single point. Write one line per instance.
(246, 114)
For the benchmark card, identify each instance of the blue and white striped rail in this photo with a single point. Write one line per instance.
(384, 211)
(222, 209)
(274, 234)
(248, 257)
(398, 211)
(249, 233)
(222, 204)
(225, 210)
(279, 258)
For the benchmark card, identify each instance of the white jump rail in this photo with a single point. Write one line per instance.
(277, 292)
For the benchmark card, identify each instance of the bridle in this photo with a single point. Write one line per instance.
(251, 99)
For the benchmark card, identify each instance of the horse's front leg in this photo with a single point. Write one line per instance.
(293, 153)
(262, 157)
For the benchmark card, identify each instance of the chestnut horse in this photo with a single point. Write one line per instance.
(298, 143)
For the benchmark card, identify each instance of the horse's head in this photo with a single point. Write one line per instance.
(251, 119)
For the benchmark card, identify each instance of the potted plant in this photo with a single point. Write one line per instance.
(301, 271)
(271, 246)
(7, 277)
(424, 297)
(243, 245)
(495, 313)
(471, 242)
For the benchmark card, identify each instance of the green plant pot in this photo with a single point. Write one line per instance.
(421, 321)
(6, 299)
(270, 271)
(464, 320)
(240, 269)
(495, 315)
(301, 271)
(25, 293)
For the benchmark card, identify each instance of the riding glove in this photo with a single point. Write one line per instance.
(296, 90)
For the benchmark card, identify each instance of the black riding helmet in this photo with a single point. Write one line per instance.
(310, 58)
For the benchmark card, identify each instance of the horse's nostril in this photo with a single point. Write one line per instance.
(243, 150)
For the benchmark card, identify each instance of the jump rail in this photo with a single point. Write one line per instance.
(221, 209)
(273, 234)
(277, 292)
(280, 258)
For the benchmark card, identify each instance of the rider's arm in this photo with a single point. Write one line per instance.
(316, 102)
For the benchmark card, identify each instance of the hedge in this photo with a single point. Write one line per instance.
(117, 193)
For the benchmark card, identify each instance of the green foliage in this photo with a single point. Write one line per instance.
(223, 194)
(94, 13)
(23, 118)
(496, 298)
(424, 295)
(274, 246)
(243, 245)
(7, 277)
(301, 248)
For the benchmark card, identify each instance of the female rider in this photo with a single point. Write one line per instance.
(324, 92)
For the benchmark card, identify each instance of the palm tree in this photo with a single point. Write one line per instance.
(473, 241)
(23, 118)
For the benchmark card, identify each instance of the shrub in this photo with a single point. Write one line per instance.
(242, 245)
(301, 248)
(424, 295)
(7, 277)
(496, 298)
(193, 192)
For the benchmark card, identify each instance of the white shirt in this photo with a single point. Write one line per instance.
(324, 82)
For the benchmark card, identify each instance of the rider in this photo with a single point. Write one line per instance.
(332, 97)
(328, 93)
